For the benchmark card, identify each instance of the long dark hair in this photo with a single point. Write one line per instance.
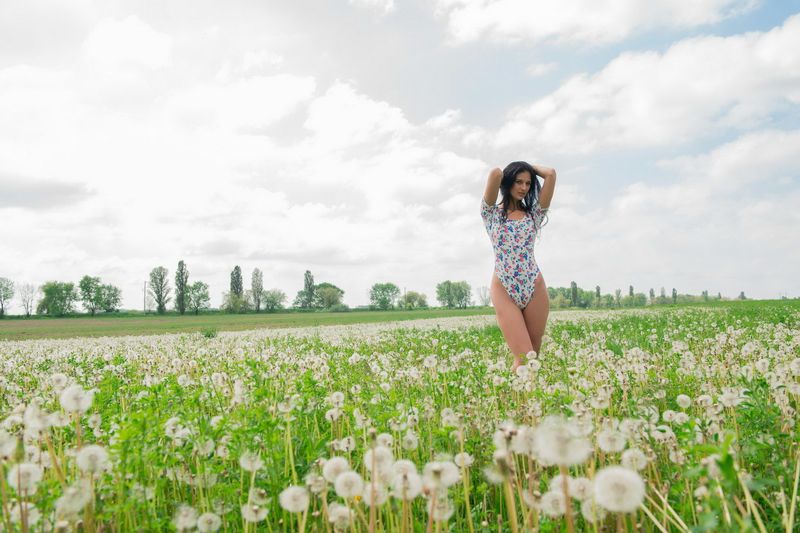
(510, 174)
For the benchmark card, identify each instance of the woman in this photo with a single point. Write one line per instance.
(518, 292)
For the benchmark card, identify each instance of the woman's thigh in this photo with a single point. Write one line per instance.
(535, 313)
(510, 319)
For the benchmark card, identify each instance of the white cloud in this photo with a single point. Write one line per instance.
(696, 89)
(540, 69)
(386, 6)
(597, 22)
(127, 42)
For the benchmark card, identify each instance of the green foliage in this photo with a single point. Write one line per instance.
(58, 298)
(159, 288)
(454, 294)
(197, 297)
(383, 295)
(257, 288)
(6, 293)
(181, 287)
(237, 285)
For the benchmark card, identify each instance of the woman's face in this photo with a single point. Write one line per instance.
(521, 185)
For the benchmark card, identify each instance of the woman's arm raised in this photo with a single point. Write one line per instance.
(549, 186)
(493, 186)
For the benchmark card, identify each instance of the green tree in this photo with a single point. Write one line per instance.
(91, 293)
(462, 294)
(110, 298)
(383, 295)
(630, 290)
(573, 294)
(674, 296)
(237, 285)
(197, 297)
(274, 299)
(58, 298)
(445, 294)
(327, 295)
(6, 293)
(597, 291)
(257, 288)
(413, 300)
(652, 295)
(308, 289)
(159, 288)
(181, 284)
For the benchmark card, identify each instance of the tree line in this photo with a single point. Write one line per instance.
(56, 298)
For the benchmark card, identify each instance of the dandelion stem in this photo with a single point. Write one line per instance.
(653, 518)
(567, 504)
(751, 503)
(790, 525)
(511, 507)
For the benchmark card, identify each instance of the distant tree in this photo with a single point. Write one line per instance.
(273, 299)
(181, 284)
(327, 295)
(159, 287)
(383, 295)
(237, 285)
(6, 293)
(462, 294)
(719, 296)
(445, 295)
(58, 298)
(597, 291)
(308, 289)
(652, 294)
(27, 294)
(110, 298)
(257, 288)
(742, 296)
(705, 296)
(674, 296)
(617, 295)
(630, 290)
(197, 297)
(413, 300)
(484, 296)
(91, 294)
(235, 303)
(573, 293)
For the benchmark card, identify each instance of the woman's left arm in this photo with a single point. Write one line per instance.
(549, 176)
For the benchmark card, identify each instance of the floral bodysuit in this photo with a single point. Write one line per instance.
(513, 242)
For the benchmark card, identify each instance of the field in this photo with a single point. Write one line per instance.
(137, 324)
(673, 419)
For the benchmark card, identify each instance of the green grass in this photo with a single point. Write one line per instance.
(133, 324)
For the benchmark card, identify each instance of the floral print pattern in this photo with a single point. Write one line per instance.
(513, 242)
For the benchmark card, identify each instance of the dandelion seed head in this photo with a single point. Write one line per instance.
(294, 499)
(76, 400)
(92, 459)
(24, 477)
(349, 484)
(333, 467)
(208, 522)
(618, 489)
(553, 503)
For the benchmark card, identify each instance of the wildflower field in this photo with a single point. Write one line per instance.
(678, 419)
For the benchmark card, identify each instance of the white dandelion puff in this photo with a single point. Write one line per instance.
(250, 461)
(381, 455)
(185, 518)
(349, 484)
(618, 489)
(634, 458)
(553, 503)
(92, 458)
(208, 522)
(76, 400)
(406, 485)
(253, 513)
(333, 467)
(294, 499)
(610, 440)
(24, 477)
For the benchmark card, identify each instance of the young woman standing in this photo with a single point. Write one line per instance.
(517, 289)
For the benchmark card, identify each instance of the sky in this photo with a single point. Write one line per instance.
(353, 138)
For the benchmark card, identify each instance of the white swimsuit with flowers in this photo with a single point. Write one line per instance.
(513, 241)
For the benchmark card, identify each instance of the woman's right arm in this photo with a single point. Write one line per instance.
(493, 186)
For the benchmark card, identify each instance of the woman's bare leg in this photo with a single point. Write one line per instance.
(511, 321)
(535, 314)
